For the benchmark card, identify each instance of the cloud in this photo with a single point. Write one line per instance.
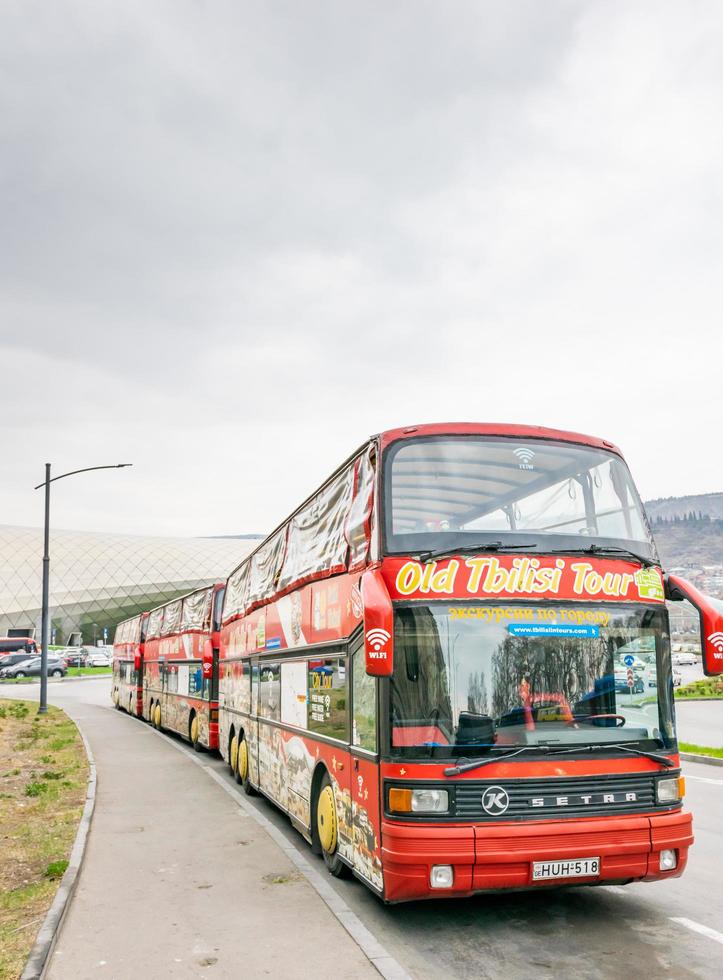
(238, 239)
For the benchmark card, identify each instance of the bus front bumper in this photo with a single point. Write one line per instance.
(486, 857)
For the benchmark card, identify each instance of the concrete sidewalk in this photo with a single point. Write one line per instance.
(179, 882)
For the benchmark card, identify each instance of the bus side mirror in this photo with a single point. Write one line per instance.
(711, 621)
(137, 661)
(378, 624)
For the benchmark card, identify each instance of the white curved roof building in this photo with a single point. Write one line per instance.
(98, 579)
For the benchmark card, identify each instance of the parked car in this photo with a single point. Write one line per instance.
(621, 681)
(31, 668)
(10, 659)
(97, 660)
(75, 656)
(684, 660)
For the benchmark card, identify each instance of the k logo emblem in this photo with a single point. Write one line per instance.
(495, 801)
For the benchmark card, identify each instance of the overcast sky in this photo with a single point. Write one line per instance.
(238, 238)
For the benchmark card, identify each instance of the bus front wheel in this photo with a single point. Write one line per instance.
(327, 828)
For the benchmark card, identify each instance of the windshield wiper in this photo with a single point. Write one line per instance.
(603, 550)
(552, 750)
(475, 549)
(507, 754)
(663, 760)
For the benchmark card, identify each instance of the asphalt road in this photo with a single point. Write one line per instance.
(700, 722)
(666, 929)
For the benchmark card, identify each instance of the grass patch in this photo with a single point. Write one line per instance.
(39, 812)
(700, 750)
(89, 671)
(711, 687)
(56, 869)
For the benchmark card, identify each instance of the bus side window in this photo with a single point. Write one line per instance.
(171, 679)
(364, 702)
(328, 712)
(270, 691)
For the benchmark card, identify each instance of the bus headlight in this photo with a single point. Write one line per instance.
(418, 800)
(670, 790)
(668, 860)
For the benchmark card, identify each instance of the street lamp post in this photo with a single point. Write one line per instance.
(45, 617)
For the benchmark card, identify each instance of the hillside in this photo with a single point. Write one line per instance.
(701, 504)
(688, 530)
(690, 543)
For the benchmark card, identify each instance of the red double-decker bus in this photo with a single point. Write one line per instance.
(127, 684)
(180, 670)
(451, 667)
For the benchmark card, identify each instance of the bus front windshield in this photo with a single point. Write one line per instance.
(477, 679)
(461, 491)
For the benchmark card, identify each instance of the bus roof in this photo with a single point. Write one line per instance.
(388, 436)
(494, 429)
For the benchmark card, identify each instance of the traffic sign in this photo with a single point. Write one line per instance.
(631, 678)
(629, 660)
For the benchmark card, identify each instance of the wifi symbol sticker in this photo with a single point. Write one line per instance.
(525, 456)
(377, 638)
(716, 640)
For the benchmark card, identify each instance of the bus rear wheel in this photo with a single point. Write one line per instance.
(233, 754)
(193, 733)
(242, 767)
(327, 828)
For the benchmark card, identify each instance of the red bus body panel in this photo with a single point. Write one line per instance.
(170, 655)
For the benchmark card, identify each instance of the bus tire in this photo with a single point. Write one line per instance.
(193, 733)
(233, 754)
(242, 766)
(326, 828)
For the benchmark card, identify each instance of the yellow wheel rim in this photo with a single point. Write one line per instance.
(157, 715)
(243, 759)
(233, 754)
(326, 820)
(194, 729)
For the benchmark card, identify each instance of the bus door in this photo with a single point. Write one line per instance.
(365, 769)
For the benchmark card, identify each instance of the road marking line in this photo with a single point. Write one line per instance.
(705, 779)
(697, 927)
(380, 959)
(615, 889)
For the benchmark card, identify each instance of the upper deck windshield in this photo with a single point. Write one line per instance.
(451, 492)
(475, 679)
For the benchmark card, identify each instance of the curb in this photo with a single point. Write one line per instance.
(39, 956)
(708, 760)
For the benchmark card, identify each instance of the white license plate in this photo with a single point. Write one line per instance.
(571, 868)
